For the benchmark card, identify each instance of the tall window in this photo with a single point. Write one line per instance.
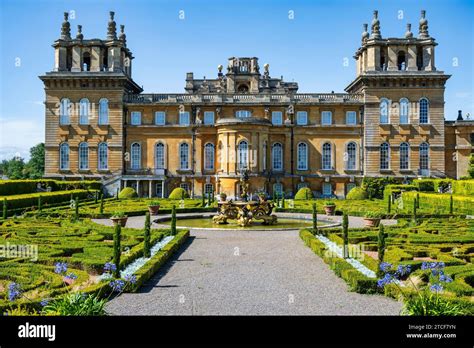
(243, 113)
(302, 118)
(351, 117)
(278, 189)
(277, 117)
(327, 189)
(160, 156)
(160, 118)
(136, 156)
(209, 117)
(184, 118)
(277, 156)
(264, 157)
(351, 151)
(84, 111)
(184, 156)
(208, 189)
(384, 111)
(326, 118)
(64, 111)
(136, 118)
(103, 111)
(384, 156)
(404, 156)
(64, 156)
(103, 156)
(83, 156)
(302, 156)
(424, 156)
(404, 111)
(209, 156)
(424, 110)
(327, 156)
(242, 155)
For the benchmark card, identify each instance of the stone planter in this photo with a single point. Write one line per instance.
(153, 209)
(329, 209)
(372, 222)
(122, 221)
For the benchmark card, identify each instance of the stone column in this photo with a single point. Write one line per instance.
(163, 189)
(95, 59)
(149, 188)
(76, 59)
(411, 58)
(392, 59)
(138, 188)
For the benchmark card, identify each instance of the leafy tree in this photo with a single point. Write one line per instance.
(34, 169)
(470, 169)
(14, 168)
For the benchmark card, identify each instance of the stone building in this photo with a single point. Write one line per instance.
(99, 124)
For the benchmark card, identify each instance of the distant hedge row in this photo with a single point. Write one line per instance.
(439, 202)
(31, 200)
(16, 187)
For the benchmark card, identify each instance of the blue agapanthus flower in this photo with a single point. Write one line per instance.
(44, 302)
(131, 278)
(109, 267)
(445, 278)
(387, 279)
(117, 285)
(60, 267)
(436, 287)
(385, 266)
(71, 276)
(403, 270)
(14, 291)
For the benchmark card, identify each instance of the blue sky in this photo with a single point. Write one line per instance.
(310, 48)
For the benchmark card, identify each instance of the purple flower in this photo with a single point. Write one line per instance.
(14, 291)
(117, 285)
(436, 287)
(403, 270)
(109, 267)
(71, 276)
(131, 278)
(445, 278)
(60, 267)
(44, 302)
(387, 279)
(385, 266)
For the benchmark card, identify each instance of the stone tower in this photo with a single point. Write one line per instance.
(404, 96)
(84, 103)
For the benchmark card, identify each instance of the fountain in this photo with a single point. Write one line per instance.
(245, 211)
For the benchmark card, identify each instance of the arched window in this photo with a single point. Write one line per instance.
(160, 156)
(404, 156)
(209, 156)
(103, 111)
(103, 156)
(242, 155)
(384, 111)
(64, 111)
(404, 111)
(401, 61)
(424, 157)
(64, 156)
(136, 156)
(84, 111)
(327, 156)
(302, 156)
(424, 110)
(184, 156)
(277, 156)
(86, 61)
(83, 156)
(384, 156)
(351, 150)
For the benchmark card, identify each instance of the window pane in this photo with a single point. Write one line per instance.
(327, 156)
(327, 189)
(277, 117)
(160, 156)
(326, 117)
(83, 156)
(384, 111)
(184, 118)
(302, 118)
(424, 156)
(404, 156)
(84, 111)
(64, 111)
(277, 155)
(423, 111)
(242, 155)
(384, 156)
(351, 156)
(160, 118)
(184, 156)
(64, 156)
(243, 113)
(404, 111)
(103, 156)
(136, 118)
(136, 156)
(351, 117)
(208, 117)
(209, 157)
(302, 156)
(103, 112)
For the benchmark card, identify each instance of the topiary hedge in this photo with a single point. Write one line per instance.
(357, 193)
(16, 187)
(178, 193)
(463, 187)
(127, 192)
(391, 189)
(425, 185)
(375, 186)
(304, 193)
(440, 202)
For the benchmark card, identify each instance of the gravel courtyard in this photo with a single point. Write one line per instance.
(248, 273)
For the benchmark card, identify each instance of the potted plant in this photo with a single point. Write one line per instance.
(372, 218)
(223, 197)
(120, 218)
(329, 207)
(154, 207)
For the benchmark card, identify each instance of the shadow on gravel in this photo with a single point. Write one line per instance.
(155, 279)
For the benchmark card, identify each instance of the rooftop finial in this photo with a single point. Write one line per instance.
(459, 116)
(79, 35)
(408, 34)
(66, 28)
(423, 28)
(111, 29)
(376, 26)
(365, 33)
(122, 36)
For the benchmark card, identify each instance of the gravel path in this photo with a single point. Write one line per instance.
(248, 273)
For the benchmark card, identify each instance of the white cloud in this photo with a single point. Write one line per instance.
(18, 136)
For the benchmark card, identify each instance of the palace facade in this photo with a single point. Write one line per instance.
(390, 122)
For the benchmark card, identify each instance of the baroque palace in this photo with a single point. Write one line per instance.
(390, 122)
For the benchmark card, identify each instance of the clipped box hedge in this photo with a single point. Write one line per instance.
(31, 200)
(390, 189)
(439, 202)
(16, 187)
(463, 187)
